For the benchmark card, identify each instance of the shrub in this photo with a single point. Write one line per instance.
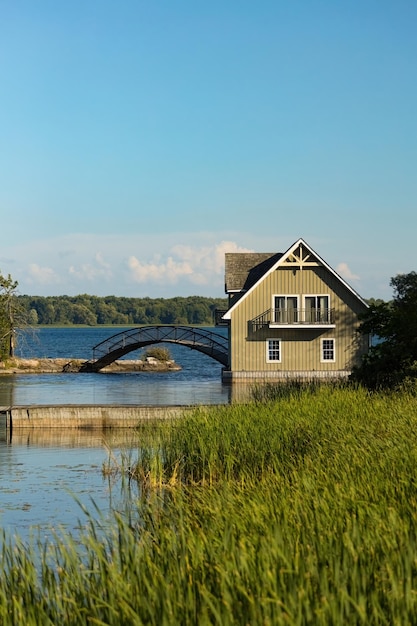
(157, 352)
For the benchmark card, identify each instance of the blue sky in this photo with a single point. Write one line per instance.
(141, 140)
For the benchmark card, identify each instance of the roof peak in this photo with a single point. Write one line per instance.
(298, 256)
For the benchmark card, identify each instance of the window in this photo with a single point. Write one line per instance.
(285, 309)
(317, 309)
(328, 350)
(273, 351)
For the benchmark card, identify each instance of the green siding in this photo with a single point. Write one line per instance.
(300, 347)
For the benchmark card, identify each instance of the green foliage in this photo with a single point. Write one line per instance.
(157, 352)
(33, 317)
(393, 358)
(301, 511)
(12, 315)
(372, 301)
(293, 388)
(261, 439)
(113, 310)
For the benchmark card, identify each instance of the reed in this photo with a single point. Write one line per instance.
(296, 511)
(258, 439)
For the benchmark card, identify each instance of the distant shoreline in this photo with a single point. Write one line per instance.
(64, 326)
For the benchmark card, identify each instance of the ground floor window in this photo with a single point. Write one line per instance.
(273, 350)
(328, 350)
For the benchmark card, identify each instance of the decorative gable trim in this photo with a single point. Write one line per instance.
(298, 256)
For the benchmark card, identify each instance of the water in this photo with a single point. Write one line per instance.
(43, 475)
(198, 382)
(41, 472)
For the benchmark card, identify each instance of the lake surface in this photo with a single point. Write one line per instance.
(43, 473)
(198, 382)
(44, 477)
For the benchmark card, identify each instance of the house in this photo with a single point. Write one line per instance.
(290, 315)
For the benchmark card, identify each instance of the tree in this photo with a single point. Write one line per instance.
(393, 357)
(119, 310)
(11, 315)
(81, 314)
(45, 309)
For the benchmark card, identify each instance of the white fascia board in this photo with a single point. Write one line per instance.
(280, 261)
(332, 271)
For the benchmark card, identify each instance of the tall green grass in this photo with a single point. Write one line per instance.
(301, 510)
(322, 426)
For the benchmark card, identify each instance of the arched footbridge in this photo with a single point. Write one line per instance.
(113, 348)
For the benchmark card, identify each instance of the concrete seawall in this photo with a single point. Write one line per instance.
(87, 417)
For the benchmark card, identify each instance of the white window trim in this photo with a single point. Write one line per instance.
(286, 296)
(315, 295)
(322, 359)
(268, 360)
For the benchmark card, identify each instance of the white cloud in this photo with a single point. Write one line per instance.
(102, 262)
(169, 270)
(208, 259)
(96, 268)
(200, 265)
(42, 275)
(90, 271)
(344, 271)
(185, 263)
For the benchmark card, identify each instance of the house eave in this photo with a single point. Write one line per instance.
(280, 263)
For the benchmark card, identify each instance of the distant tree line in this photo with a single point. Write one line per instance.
(114, 310)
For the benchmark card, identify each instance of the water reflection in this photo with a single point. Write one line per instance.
(122, 438)
(42, 473)
(137, 389)
(124, 389)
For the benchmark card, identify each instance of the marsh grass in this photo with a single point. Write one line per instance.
(301, 510)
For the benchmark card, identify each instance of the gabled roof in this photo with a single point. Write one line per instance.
(244, 269)
(244, 278)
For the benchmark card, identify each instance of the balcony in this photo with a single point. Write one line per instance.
(295, 318)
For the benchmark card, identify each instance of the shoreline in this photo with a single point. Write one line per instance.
(68, 365)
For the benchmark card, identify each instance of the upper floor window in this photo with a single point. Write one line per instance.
(285, 309)
(317, 309)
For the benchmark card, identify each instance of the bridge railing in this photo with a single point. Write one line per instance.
(208, 342)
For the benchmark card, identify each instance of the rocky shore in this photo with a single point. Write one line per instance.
(48, 366)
